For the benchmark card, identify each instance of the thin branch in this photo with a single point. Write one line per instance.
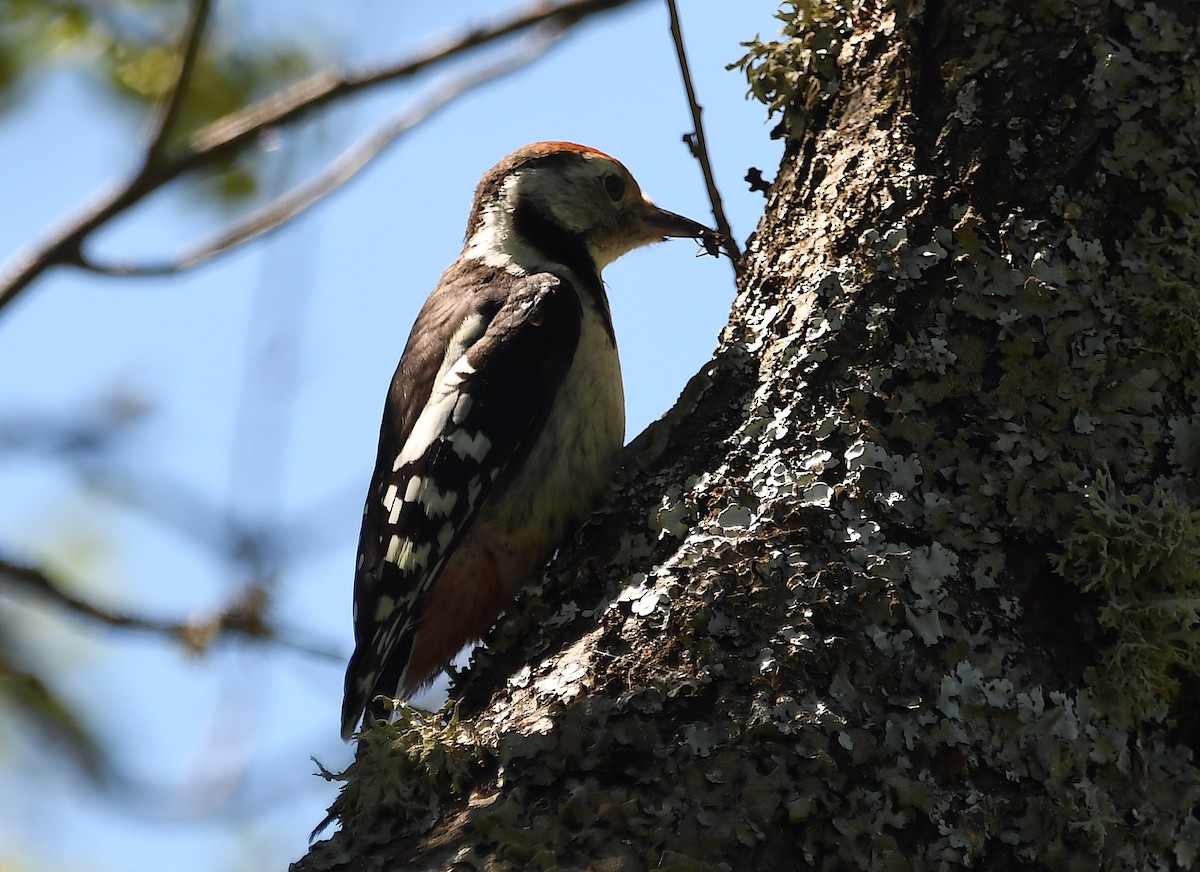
(295, 103)
(699, 145)
(345, 167)
(242, 617)
(172, 102)
(238, 131)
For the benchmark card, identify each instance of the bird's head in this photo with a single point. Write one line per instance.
(553, 202)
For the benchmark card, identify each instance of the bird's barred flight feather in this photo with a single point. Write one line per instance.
(513, 347)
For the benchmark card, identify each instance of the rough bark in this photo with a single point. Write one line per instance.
(910, 578)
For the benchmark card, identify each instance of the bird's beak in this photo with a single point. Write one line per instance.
(660, 222)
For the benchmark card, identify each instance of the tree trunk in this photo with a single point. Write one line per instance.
(910, 577)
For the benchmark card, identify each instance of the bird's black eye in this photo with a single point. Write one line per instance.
(614, 186)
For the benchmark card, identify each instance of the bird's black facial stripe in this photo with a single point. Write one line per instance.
(559, 245)
(553, 241)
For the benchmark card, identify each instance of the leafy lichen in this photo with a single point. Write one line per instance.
(405, 772)
(1143, 557)
(799, 69)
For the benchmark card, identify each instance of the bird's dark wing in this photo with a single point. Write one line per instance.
(472, 391)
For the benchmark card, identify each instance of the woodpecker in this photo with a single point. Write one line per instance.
(504, 416)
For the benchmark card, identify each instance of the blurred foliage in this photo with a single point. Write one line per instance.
(39, 647)
(54, 721)
(130, 48)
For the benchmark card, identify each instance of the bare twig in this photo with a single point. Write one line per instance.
(242, 617)
(169, 108)
(296, 102)
(238, 131)
(345, 167)
(699, 146)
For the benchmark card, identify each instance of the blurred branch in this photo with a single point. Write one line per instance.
(89, 431)
(168, 110)
(699, 145)
(91, 441)
(243, 617)
(239, 130)
(345, 167)
(182, 508)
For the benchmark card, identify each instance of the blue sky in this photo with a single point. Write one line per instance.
(330, 299)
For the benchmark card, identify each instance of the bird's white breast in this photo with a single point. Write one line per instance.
(571, 460)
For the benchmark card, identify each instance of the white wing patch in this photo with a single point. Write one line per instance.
(462, 408)
(407, 554)
(437, 503)
(445, 401)
(467, 334)
(475, 447)
(458, 373)
(384, 607)
(429, 426)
